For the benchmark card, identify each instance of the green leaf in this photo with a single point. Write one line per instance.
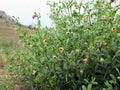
(84, 87)
(86, 81)
(118, 71)
(89, 87)
(108, 85)
(113, 78)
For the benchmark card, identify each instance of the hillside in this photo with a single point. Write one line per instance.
(7, 27)
(4, 18)
(7, 32)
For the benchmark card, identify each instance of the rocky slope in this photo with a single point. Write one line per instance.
(4, 18)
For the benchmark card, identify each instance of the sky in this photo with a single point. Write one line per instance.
(25, 10)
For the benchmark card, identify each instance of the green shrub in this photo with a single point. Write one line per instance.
(80, 52)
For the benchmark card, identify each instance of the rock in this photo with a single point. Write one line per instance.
(4, 18)
(30, 26)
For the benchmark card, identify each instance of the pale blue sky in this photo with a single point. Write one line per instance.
(25, 9)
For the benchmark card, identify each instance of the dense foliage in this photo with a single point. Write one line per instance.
(80, 52)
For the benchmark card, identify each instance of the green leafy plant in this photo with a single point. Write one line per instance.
(90, 84)
(80, 52)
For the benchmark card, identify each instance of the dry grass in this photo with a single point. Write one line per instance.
(7, 32)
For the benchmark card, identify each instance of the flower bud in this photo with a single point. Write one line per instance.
(34, 28)
(33, 73)
(84, 61)
(30, 46)
(114, 29)
(105, 44)
(45, 41)
(102, 60)
(114, 21)
(54, 57)
(68, 33)
(61, 49)
(112, 1)
(103, 17)
(80, 3)
(118, 77)
(81, 72)
(77, 51)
